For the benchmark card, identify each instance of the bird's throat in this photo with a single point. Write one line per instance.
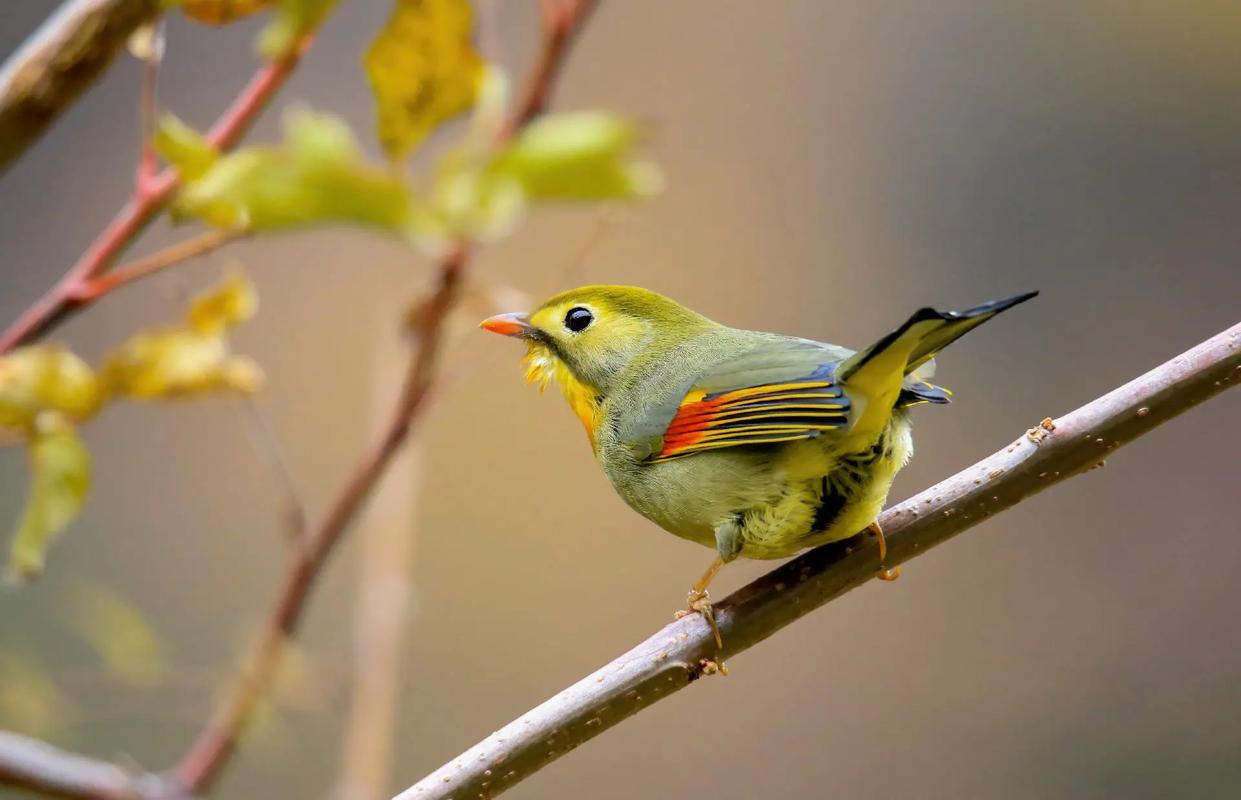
(542, 367)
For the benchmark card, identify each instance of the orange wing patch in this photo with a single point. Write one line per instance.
(776, 412)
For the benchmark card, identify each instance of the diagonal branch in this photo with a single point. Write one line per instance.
(218, 740)
(77, 777)
(684, 651)
(69, 52)
(150, 195)
(34, 765)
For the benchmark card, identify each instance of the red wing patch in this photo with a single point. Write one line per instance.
(777, 412)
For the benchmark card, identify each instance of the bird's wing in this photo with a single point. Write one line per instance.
(780, 391)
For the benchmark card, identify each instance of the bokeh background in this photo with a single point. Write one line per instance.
(831, 166)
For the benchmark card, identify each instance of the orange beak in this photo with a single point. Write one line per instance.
(508, 325)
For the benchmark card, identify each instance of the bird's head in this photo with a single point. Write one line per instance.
(589, 339)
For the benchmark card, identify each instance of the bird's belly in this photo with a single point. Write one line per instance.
(691, 496)
(780, 494)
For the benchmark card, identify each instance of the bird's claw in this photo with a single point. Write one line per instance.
(885, 574)
(699, 602)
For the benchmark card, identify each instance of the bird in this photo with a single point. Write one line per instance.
(757, 445)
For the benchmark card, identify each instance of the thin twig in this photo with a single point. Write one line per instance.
(69, 52)
(216, 743)
(148, 199)
(380, 619)
(218, 740)
(685, 650)
(148, 101)
(268, 446)
(148, 265)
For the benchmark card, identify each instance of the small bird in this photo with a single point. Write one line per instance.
(754, 444)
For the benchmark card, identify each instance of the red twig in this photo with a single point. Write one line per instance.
(92, 290)
(150, 195)
(211, 751)
(208, 755)
(560, 24)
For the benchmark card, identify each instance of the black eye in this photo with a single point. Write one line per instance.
(578, 319)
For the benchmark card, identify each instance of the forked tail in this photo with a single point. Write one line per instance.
(873, 378)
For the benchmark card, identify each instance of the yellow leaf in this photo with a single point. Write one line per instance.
(222, 12)
(188, 359)
(184, 148)
(30, 703)
(233, 301)
(45, 377)
(317, 177)
(128, 645)
(60, 479)
(423, 70)
(176, 362)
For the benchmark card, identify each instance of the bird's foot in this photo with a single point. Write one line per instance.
(885, 574)
(699, 602)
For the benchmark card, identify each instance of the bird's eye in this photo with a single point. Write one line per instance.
(578, 319)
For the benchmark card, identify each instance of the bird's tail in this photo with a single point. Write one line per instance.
(873, 378)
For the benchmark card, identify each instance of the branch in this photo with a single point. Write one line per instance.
(218, 740)
(204, 243)
(36, 766)
(58, 62)
(149, 197)
(685, 650)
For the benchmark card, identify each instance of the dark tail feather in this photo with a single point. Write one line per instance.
(945, 328)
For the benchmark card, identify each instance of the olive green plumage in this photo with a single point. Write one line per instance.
(754, 444)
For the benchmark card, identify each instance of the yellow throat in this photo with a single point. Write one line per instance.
(542, 367)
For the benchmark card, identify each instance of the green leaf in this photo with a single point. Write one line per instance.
(292, 21)
(60, 479)
(318, 176)
(465, 201)
(30, 703)
(126, 643)
(184, 148)
(45, 378)
(581, 155)
(423, 70)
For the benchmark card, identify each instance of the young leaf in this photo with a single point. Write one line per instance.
(184, 148)
(293, 20)
(60, 479)
(318, 176)
(45, 377)
(30, 703)
(468, 203)
(423, 70)
(233, 301)
(126, 643)
(177, 362)
(221, 12)
(189, 359)
(581, 155)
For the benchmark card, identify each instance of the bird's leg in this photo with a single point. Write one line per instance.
(884, 574)
(699, 600)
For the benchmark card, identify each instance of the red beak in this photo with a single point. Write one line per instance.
(508, 325)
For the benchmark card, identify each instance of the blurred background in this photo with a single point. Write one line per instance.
(831, 167)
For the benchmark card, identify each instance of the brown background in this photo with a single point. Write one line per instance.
(831, 167)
